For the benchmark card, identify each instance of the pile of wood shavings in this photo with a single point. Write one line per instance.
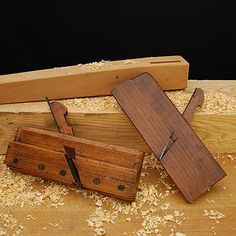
(151, 207)
(94, 66)
(9, 225)
(107, 104)
(154, 197)
(17, 189)
(215, 102)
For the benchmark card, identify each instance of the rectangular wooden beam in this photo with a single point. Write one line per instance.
(93, 79)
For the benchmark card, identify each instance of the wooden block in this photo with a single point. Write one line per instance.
(110, 169)
(187, 160)
(91, 80)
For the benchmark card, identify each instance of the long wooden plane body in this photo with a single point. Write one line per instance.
(94, 79)
(166, 131)
(110, 169)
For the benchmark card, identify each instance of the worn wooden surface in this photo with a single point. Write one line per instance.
(91, 80)
(218, 131)
(196, 101)
(59, 113)
(187, 160)
(71, 218)
(215, 129)
(114, 166)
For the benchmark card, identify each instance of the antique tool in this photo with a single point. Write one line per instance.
(93, 79)
(110, 169)
(59, 112)
(167, 132)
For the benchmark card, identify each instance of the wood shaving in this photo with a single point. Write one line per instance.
(180, 234)
(98, 203)
(231, 157)
(165, 206)
(100, 231)
(30, 217)
(210, 200)
(55, 225)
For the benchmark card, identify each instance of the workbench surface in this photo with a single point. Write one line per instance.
(70, 219)
(65, 211)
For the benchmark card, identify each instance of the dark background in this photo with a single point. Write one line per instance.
(37, 36)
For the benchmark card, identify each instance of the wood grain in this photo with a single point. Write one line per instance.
(195, 102)
(59, 113)
(226, 87)
(113, 166)
(71, 218)
(77, 81)
(155, 117)
(217, 131)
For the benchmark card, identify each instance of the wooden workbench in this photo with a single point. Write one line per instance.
(70, 219)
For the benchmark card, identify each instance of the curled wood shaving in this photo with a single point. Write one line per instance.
(231, 157)
(30, 217)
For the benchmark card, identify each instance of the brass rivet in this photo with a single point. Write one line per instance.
(96, 181)
(41, 166)
(15, 161)
(62, 172)
(121, 187)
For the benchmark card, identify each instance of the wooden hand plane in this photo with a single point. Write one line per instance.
(167, 132)
(110, 169)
